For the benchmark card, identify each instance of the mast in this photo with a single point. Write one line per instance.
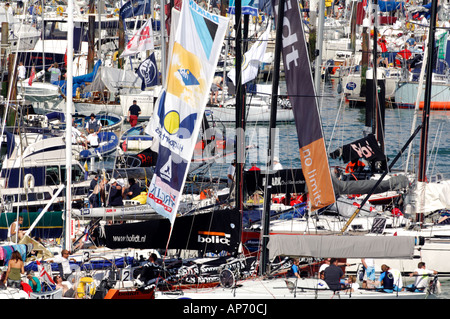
(240, 112)
(421, 177)
(272, 124)
(319, 46)
(67, 240)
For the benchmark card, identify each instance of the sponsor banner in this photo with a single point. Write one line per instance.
(209, 232)
(179, 109)
(303, 98)
(283, 181)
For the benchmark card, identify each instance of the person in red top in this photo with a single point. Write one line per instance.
(384, 52)
(403, 56)
(254, 167)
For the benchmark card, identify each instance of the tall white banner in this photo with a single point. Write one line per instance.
(178, 114)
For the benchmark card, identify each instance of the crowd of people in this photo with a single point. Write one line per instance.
(111, 193)
(332, 276)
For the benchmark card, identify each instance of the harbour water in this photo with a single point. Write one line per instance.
(343, 124)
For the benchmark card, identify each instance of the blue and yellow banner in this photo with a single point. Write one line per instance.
(179, 109)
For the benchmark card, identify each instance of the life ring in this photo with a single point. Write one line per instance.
(60, 10)
(86, 287)
(116, 11)
(28, 181)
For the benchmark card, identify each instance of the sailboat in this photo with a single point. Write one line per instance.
(262, 287)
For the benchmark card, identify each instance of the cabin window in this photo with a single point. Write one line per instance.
(52, 175)
(23, 197)
(10, 198)
(77, 173)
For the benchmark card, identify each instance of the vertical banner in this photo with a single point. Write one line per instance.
(179, 109)
(302, 95)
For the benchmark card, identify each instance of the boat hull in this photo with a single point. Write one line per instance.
(406, 93)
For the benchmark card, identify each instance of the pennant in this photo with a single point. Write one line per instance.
(252, 59)
(178, 113)
(32, 76)
(44, 275)
(135, 8)
(141, 41)
(442, 46)
(248, 7)
(148, 72)
(300, 88)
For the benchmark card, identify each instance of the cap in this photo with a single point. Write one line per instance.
(112, 181)
(92, 115)
(276, 159)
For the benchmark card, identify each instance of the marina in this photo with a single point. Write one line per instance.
(215, 156)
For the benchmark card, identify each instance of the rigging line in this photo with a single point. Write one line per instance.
(438, 133)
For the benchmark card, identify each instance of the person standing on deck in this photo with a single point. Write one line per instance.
(94, 124)
(133, 113)
(55, 73)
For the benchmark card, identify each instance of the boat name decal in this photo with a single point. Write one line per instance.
(214, 237)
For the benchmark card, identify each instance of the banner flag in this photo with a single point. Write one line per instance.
(179, 109)
(252, 59)
(142, 40)
(300, 88)
(135, 8)
(148, 72)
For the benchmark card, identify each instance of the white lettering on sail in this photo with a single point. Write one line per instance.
(314, 191)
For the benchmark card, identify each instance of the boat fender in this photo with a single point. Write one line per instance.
(28, 181)
(86, 285)
(437, 288)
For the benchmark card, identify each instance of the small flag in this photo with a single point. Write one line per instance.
(43, 274)
(141, 41)
(135, 8)
(32, 76)
(252, 59)
(148, 72)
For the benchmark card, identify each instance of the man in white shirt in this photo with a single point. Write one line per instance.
(63, 260)
(92, 139)
(77, 136)
(21, 71)
(276, 164)
(422, 276)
